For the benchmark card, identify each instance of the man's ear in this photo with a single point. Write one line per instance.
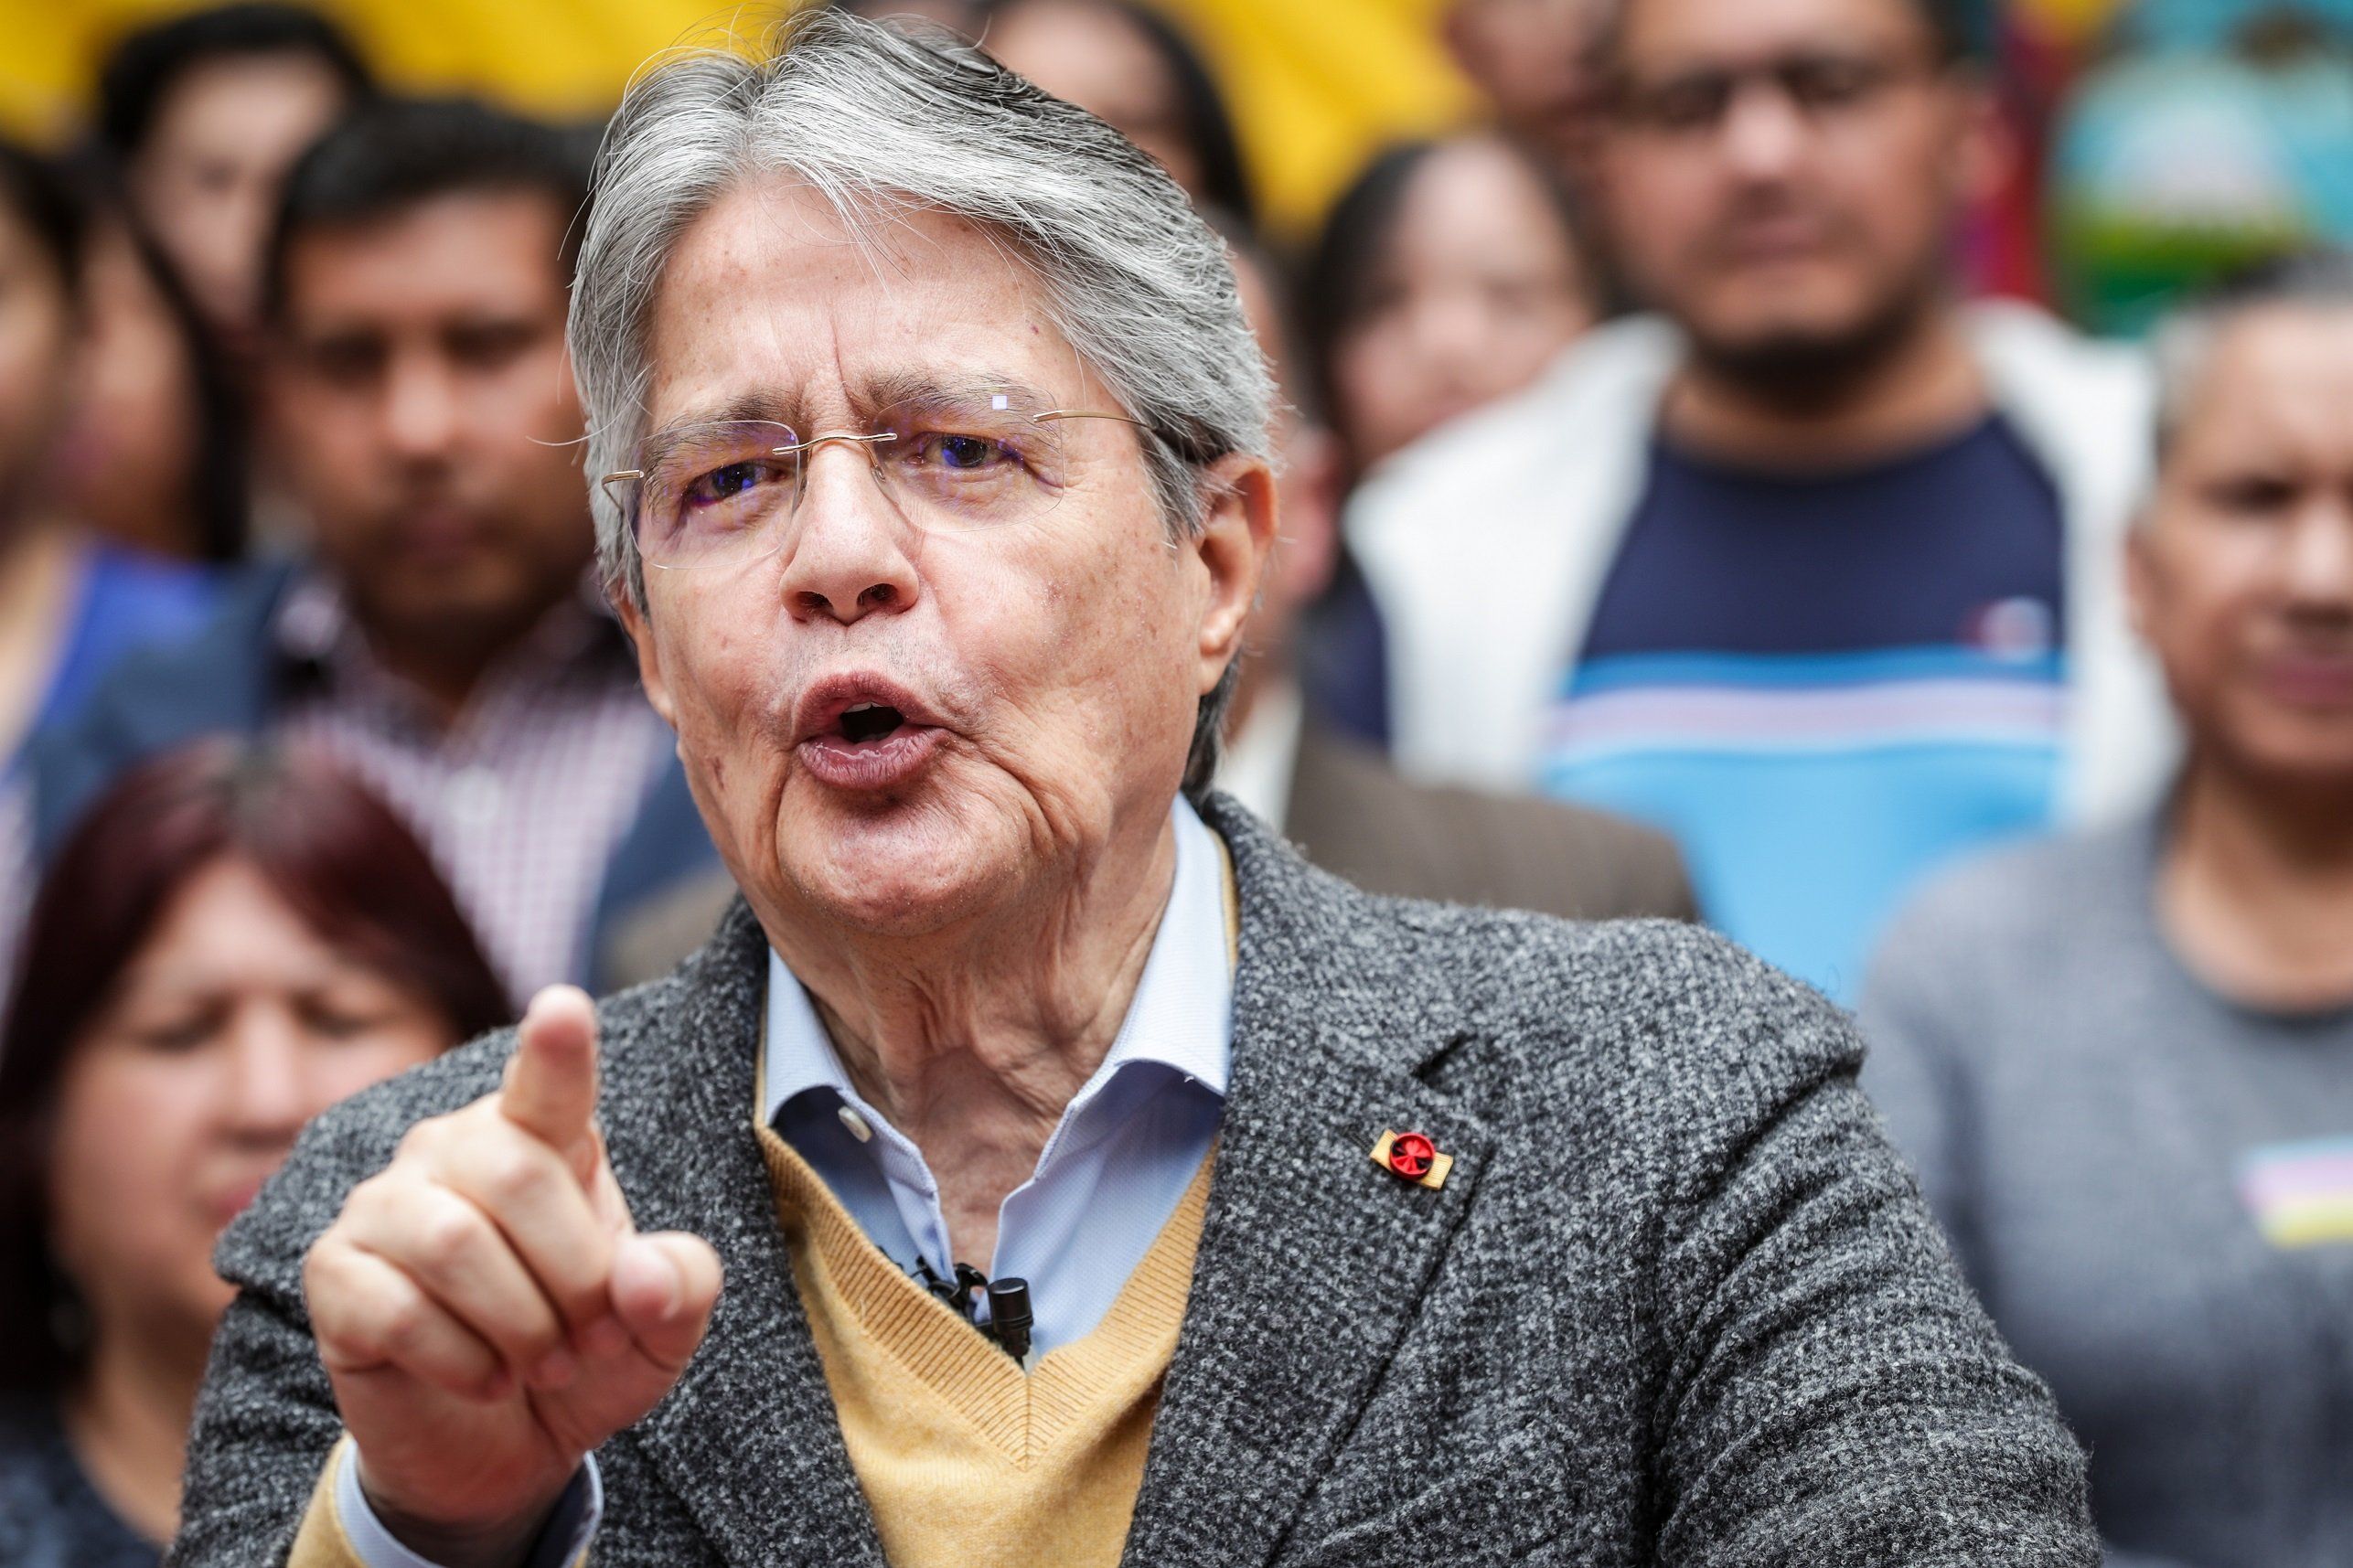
(649, 658)
(1232, 547)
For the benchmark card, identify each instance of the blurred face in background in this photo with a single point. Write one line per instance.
(1091, 56)
(37, 330)
(233, 1026)
(1782, 175)
(1308, 489)
(2242, 568)
(426, 417)
(205, 180)
(1533, 60)
(1473, 289)
(136, 410)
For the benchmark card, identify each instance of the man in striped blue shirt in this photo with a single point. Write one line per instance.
(1816, 568)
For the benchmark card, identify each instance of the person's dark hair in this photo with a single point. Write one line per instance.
(1342, 281)
(36, 192)
(396, 153)
(145, 66)
(1208, 125)
(331, 849)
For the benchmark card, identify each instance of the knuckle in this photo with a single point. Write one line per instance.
(448, 1236)
(366, 1196)
(511, 1176)
(418, 1141)
(404, 1327)
(527, 1340)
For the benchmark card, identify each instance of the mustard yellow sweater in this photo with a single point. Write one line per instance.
(964, 1457)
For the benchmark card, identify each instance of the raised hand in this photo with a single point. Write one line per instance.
(486, 1312)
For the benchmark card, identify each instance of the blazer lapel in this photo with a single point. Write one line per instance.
(748, 1439)
(1313, 1260)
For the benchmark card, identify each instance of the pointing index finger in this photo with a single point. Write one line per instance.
(551, 1083)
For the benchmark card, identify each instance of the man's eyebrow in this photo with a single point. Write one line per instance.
(916, 387)
(764, 406)
(873, 395)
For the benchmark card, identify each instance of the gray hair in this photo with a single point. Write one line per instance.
(2183, 343)
(881, 118)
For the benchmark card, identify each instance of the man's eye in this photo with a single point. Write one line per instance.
(961, 453)
(1829, 84)
(2251, 495)
(1691, 103)
(346, 363)
(489, 347)
(730, 482)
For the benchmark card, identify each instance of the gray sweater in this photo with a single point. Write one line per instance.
(1678, 1302)
(2114, 1150)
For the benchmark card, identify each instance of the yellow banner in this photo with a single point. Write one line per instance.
(1316, 85)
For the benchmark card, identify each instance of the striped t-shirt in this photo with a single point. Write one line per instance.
(1824, 685)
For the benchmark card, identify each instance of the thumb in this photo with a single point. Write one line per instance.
(550, 1085)
(664, 1288)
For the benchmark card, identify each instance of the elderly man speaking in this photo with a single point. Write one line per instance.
(1091, 1181)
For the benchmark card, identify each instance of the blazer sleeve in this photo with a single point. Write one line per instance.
(1836, 1396)
(257, 1456)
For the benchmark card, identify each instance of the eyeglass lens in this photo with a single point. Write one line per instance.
(716, 492)
(1819, 85)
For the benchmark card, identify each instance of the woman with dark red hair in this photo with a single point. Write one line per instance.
(230, 941)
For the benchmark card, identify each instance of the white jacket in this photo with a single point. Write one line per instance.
(1487, 542)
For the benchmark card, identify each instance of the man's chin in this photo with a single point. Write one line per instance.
(1798, 354)
(907, 869)
(462, 607)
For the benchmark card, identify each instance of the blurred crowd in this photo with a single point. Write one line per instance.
(1849, 471)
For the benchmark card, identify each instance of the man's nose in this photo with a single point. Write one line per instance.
(1763, 131)
(848, 556)
(421, 416)
(2319, 560)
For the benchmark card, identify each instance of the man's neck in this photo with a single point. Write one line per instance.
(973, 1042)
(1924, 386)
(442, 665)
(2256, 887)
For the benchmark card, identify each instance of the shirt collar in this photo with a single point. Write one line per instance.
(1181, 1017)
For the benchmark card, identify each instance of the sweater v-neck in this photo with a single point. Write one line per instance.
(1023, 1415)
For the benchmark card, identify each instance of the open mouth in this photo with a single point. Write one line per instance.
(862, 734)
(870, 721)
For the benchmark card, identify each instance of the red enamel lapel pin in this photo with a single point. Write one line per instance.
(1411, 1156)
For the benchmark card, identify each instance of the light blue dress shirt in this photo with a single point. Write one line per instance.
(1110, 1176)
(1128, 1145)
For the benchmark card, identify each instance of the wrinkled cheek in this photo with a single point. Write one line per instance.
(723, 728)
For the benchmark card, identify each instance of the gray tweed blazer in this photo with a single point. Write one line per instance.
(1677, 1303)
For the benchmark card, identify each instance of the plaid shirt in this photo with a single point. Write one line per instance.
(522, 799)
